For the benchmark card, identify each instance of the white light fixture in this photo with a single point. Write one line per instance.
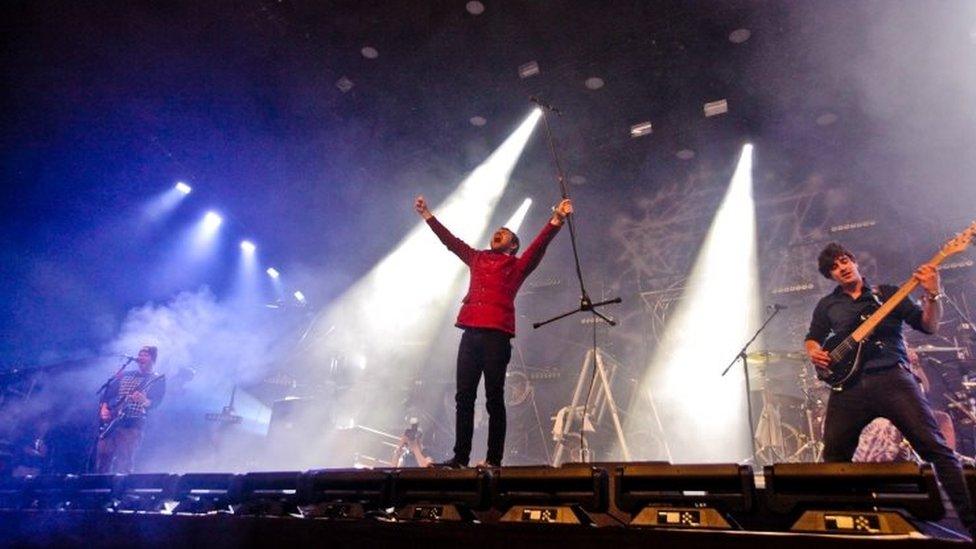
(300, 297)
(594, 83)
(211, 221)
(247, 246)
(474, 7)
(641, 129)
(529, 69)
(739, 36)
(344, 84)
(716, 108)
(273, 273)
(369, 52)
(183, 187)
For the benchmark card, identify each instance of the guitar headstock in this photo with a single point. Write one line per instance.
(960, 242)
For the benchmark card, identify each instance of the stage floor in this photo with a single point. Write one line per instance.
(103, 529)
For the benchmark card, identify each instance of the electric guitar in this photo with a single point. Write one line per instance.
(847, 350)
(107, 426)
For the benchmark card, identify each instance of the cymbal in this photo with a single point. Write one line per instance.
(766, 357)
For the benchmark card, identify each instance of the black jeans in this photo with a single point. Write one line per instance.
(894, 394)
(481, 351)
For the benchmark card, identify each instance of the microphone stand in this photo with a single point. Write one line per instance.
(585, 303)
(961, 314)
(745, 368)
(92, 454)
(108, 381)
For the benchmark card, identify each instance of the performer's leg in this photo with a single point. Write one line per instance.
(126, 446)
(498, 351)
(469, 366)
(909, 410)
(103, 454)
(848, 412)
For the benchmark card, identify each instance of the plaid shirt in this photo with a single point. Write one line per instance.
(130, 383)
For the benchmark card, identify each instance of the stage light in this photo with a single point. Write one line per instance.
(514, 223)
(641, 129)
(529, 69)
(344, 84)
(212, 221)
(183, 187)
(247, 246)
(716, 108)
(720, 305)
(272, 272)
(300, 297)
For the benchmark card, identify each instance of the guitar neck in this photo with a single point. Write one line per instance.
(868, 326)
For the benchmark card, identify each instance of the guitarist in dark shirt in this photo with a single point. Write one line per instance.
(128, 398)
(883, 386)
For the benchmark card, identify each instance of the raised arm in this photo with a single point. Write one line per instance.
(533, 254)
(453, 243)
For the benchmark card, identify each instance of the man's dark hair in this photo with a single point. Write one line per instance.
(153, 351)
(515, 240)
(830, 253)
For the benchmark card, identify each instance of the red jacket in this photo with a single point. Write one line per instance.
(495, 278)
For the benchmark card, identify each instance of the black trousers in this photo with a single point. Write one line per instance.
(894, 394)
(482, 351)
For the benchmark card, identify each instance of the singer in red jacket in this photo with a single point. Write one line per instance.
(487, 317)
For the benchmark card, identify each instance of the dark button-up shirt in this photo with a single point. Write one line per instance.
(495, 278)
(838, 313)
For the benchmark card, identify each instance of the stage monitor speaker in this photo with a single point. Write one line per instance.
(684, 496)
(270, 494)
(345, 494)
(547, 495)
(969, 473)
(94, 492)
(854, 498)
(440, 494)
(147, 492)
(13, 493)
(207, 493)
(50, 492)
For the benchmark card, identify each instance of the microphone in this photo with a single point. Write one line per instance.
(544, 105)
(777, 307)
(128, 358)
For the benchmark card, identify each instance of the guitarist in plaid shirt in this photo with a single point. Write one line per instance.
(116, 451)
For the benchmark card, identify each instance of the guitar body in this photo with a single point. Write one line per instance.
(107, 427)
(846, 358)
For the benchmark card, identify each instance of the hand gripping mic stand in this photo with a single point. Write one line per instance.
(585, 305)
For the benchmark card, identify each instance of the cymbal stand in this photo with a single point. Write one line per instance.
(813, 445)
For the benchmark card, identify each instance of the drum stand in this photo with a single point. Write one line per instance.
(769, 432)
(600, 400)
(813, 447)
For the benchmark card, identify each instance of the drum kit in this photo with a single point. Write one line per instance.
(794, 402)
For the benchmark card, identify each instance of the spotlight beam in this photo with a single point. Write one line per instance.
(720, 307)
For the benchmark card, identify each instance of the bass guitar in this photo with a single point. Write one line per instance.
(107, 426)
(848, 350)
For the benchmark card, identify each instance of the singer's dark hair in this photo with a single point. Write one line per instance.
(152, 350)
(515, 240)
(830, 253)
